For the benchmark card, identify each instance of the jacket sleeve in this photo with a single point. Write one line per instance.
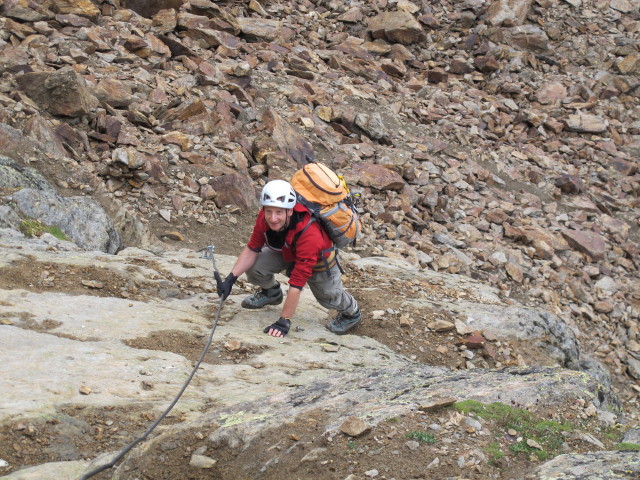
(257, 239)
(308, 251)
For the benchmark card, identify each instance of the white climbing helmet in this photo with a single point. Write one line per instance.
(278, 193)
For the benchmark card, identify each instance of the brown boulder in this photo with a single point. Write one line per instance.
(375, 176)
(26, 10)
(63, 92)
(508, 12)
(396, 27)
(221, 20)
(354, 427)
(148, 8)
(585, 123)
(589, 243)
(288, 139)
(527, 37)
(113, 92)
(83, 8)
(236, 190)
(259, 29)
(569, 183)
(486, 64)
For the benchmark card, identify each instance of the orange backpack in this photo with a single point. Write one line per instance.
(326, 195)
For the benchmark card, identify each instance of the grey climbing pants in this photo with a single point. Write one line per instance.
(326, 286)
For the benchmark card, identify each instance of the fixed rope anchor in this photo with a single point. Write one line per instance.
(208, 254)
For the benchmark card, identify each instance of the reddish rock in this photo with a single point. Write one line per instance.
(26, 10)
(207, 192)
(62, 92)
(113, 92)
(569, 183)
(288, 139)
(222, 20)
(508, 12)
(623, 166)
(259, 29)
(474, 341)
(585, 123)
(375, 176)
(589, 243)
(551, 92)
(397, 27)
(354, 427)
(353, 15)
(429, 20)
(459, 67)
(437, 76)
(603, 306)
(528, 37)
(486, 64)
(148, 8)
(236, 190)
(497, 216)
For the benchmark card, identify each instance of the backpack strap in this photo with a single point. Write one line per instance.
(297, 236)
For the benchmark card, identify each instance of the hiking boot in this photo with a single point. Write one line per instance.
(264, 297)
(343, 322)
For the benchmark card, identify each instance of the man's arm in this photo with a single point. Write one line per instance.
(245, 261)
(291, 303)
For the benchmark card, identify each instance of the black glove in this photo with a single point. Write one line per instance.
(282, 325)
(224, 288)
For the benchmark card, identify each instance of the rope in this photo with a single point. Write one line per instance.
(126, 449)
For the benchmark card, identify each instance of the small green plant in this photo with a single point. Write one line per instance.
(547, 433)
(494, 451)
(422, 437)
(392, 419)
(351, 445)
(627, 447)
(31, 227)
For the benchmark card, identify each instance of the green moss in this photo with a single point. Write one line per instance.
(494, 452)
(547, 433)
(422, 437)
(31, 227)
(627, 447)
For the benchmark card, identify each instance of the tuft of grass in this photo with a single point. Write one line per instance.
(547, 433)
(494, 451)
(422, 437)
(627, 447)
(31, 227)
(351, 445)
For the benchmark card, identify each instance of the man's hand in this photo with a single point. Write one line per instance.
(224, 288)
(279, 328)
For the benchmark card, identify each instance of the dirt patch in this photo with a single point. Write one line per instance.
(405, 329)
(190, 346)
(73, 433)
(93, 281)
(227, 232)
(421, 445)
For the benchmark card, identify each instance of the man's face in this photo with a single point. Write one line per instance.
(277, 217)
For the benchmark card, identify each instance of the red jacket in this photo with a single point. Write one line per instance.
(308, 248)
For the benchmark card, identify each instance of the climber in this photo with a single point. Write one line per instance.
(285, 239)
